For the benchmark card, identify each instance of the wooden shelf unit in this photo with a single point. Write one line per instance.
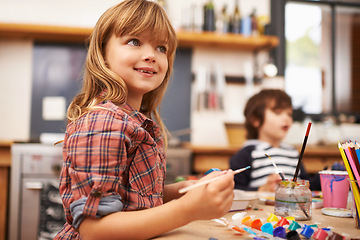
(45, 33)
(227, 41)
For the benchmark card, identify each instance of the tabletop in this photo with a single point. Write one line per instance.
(208, 229)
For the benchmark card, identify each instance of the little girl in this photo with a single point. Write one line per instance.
(112, 181)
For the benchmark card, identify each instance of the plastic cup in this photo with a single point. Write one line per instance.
(335, 188)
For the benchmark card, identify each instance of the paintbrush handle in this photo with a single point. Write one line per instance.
(302, 152)
(185, 189)
(300, 158)
(282, 176)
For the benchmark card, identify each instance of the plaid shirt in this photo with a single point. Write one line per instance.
(111, 151)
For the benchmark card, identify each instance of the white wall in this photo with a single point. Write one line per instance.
(16, 60)
(15, 89)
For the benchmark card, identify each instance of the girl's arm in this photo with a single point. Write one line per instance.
(210, 201)
(171, 191)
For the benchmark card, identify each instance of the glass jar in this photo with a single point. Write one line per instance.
(293, 199)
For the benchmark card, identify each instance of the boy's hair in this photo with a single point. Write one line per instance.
(256, 105)
(131, 17)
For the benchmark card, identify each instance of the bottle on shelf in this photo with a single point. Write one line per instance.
(196, 18)
(254, 24)
(236, 19)
(246, 26)
(223, 21)
(209, 16)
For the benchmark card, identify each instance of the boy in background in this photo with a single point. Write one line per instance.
(268, 118)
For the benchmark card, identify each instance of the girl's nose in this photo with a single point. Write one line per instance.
(149, 55)
(150, 58)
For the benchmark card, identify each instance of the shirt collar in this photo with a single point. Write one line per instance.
(137, 116)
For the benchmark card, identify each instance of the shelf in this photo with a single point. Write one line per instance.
(226, 41)
(44, 33)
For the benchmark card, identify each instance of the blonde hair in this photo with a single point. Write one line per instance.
(131, 17)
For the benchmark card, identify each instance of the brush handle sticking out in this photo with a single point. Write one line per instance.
(302, 152)
(278, 171)
(185, 189)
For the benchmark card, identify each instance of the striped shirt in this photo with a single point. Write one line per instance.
(253, 154)
(111, 151)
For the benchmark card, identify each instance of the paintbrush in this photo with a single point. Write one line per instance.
(185, 189)
(277, 169)
(302, 152)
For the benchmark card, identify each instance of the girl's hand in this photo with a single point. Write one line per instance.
(212, 200)
(171, 191)
(271, 183)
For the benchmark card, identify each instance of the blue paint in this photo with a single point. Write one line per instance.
(211, 170)
(267, 228)
(279, 232)
(334, 178)
(307, 231)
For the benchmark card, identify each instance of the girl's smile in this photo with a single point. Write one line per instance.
(145, 70)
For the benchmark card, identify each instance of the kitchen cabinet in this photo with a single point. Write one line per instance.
(44, 33)
(5, 162)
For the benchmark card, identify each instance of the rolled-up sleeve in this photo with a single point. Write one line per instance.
(107, 205)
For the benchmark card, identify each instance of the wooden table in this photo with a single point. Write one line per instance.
(210, 229)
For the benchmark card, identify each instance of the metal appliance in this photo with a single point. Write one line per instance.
(35, 207)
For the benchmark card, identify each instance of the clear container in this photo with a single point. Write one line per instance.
(293, 199)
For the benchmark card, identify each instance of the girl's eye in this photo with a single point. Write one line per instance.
(134, 42)
(162, 49)
(277, 111)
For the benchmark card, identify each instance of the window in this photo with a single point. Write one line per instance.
(319, 54)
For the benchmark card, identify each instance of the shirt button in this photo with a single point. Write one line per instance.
(160, 166)
(96, 193)
(161, 194)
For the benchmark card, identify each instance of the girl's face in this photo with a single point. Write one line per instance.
(276, 124)
(139, 61)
